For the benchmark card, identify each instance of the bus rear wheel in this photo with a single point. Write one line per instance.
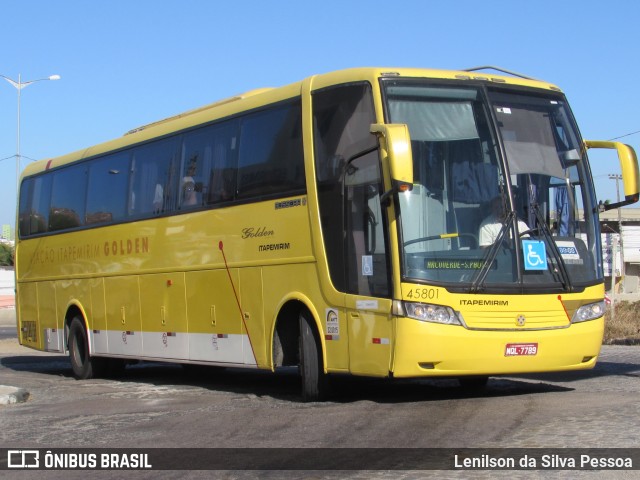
(314, 380)
(83, 365)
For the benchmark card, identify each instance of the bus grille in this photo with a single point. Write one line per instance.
(29, 332)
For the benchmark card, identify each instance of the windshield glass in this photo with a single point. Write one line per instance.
(500, 190)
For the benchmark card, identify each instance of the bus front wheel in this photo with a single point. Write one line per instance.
(314, 380)
(84, 366)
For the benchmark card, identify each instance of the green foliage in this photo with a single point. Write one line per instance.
(6, 255)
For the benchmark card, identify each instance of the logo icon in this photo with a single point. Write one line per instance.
(23, 459)
(535, 255)
(367, 265)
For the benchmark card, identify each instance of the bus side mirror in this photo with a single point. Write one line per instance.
(629, 167)
(396, 148)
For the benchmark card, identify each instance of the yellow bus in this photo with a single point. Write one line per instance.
(376, 222)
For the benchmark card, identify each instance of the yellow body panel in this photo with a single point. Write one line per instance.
(208, 286)
(150, 276)
(492, 322)
(424, 349)
(543, 311)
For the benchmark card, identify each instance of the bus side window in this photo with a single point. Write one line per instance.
(68, 197)
(107, 191)
(221, 178)
(40, 204)
(271, 160)
(197, 152)
(25, 209)
(153, 172)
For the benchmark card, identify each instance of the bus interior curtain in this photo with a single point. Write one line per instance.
(474, 182)
(563, 212)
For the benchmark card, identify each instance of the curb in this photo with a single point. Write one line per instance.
(11, 395)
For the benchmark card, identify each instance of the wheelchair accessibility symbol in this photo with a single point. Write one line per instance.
(535, 255)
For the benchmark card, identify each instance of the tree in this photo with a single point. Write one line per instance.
(6, 255)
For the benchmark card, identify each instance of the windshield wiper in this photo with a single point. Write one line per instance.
(481, 275)
(542, 226)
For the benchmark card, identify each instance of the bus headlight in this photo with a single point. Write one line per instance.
(588, 312)
(427, 312)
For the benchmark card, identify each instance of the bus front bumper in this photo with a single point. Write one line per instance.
(432, 350)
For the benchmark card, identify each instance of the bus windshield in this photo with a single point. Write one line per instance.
(502, 196)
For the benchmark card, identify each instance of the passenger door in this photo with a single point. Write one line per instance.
(354, 228)
(366, 262)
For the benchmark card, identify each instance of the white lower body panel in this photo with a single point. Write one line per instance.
(212, 348)
(54, 340)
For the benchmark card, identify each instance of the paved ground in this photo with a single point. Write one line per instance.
(156, 405)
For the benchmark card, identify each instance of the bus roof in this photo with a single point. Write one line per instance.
(264, 96)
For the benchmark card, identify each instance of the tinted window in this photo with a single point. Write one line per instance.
(40, 204)
(220, 174)
(154, 173)
(349, 194)
(24, 210)
(196, 152)
(68, 197)
(108, 185)
(271, 159)
(209, 165)
(259, 154)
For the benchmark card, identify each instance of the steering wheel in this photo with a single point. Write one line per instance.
(527, 232)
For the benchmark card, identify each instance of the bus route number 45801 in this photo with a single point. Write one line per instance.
(423, 293)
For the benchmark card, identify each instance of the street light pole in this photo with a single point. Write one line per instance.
(19, 85)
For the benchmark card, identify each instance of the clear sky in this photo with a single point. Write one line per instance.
(125, 63)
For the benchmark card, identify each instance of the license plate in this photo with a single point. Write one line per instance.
(520, 349)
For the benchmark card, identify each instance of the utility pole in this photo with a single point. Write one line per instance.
(617, 178)
(612, 316)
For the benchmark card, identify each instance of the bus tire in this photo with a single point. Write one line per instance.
(314, 380)
(83, 365)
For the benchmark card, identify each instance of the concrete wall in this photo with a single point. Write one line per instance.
(6, 282)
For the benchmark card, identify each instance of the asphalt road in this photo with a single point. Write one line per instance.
(155, 405)
(7, 332)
